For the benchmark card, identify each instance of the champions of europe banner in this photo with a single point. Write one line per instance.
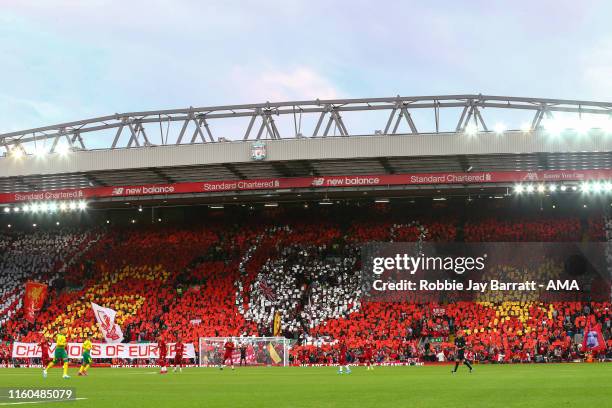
(103, 350)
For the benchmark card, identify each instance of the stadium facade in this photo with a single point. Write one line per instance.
(434, 146)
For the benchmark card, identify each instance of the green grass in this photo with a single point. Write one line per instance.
(552, 385)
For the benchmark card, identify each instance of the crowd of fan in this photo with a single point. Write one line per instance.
(40, 255)
(218, 281)
(306, 285)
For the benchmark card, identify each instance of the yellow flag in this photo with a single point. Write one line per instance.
(277, 324)
(273, 354)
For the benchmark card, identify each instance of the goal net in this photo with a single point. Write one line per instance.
(251, 351)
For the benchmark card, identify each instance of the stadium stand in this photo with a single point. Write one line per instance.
(218, 280)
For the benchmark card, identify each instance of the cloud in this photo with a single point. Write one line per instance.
(300, 83)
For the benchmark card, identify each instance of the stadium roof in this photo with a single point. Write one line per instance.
(179, 146)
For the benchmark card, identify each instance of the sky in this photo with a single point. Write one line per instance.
(66, 60)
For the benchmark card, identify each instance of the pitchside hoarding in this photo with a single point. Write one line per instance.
(308, 182)
(103, 350)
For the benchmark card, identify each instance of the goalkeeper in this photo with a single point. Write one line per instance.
(86, 358)
(60, 354)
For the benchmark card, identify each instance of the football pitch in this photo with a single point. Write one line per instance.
(550, 385)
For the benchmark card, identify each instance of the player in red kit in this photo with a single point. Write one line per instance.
(228, 355)
(342, 352)
(44, 349)
(179, 348)
(163, 351)
(368, 356)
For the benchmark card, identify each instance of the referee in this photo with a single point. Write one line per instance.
(460, 355)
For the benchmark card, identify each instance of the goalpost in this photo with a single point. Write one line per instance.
(258, 351)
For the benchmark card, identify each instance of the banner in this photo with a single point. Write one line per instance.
(106, 321)
(33, 300)
(310, 182)
(103, 350)
(277, 324)
(273, 354)
(593, 339)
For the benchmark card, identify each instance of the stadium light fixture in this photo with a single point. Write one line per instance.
(500, 128)
(530, 188)
(44, 207)
(63, 206)
(82, 205)
(63, 149)
(40, 152)
(471, 129)
(563, 188)
(553, 126)
(17, 152)
(552, 188)
(582, 126)
(607, 186)
(541, 188)
(7, 209)
(597, 187)
(16, 209)
(34, 208)
(574, 188)
(26, 208)
(52, 206)
(72, 206)
(585, 187)
(518, 189)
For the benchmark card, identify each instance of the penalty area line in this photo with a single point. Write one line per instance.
(40, 402)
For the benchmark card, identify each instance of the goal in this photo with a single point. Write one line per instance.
(259, 351)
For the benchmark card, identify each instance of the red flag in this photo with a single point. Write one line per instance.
(267, 291)
(593, 339)
(34, 298)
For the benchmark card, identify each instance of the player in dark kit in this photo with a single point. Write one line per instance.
(460, 356)
(163, 351)
(243, 351)
(179, 348)
(228, 355)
